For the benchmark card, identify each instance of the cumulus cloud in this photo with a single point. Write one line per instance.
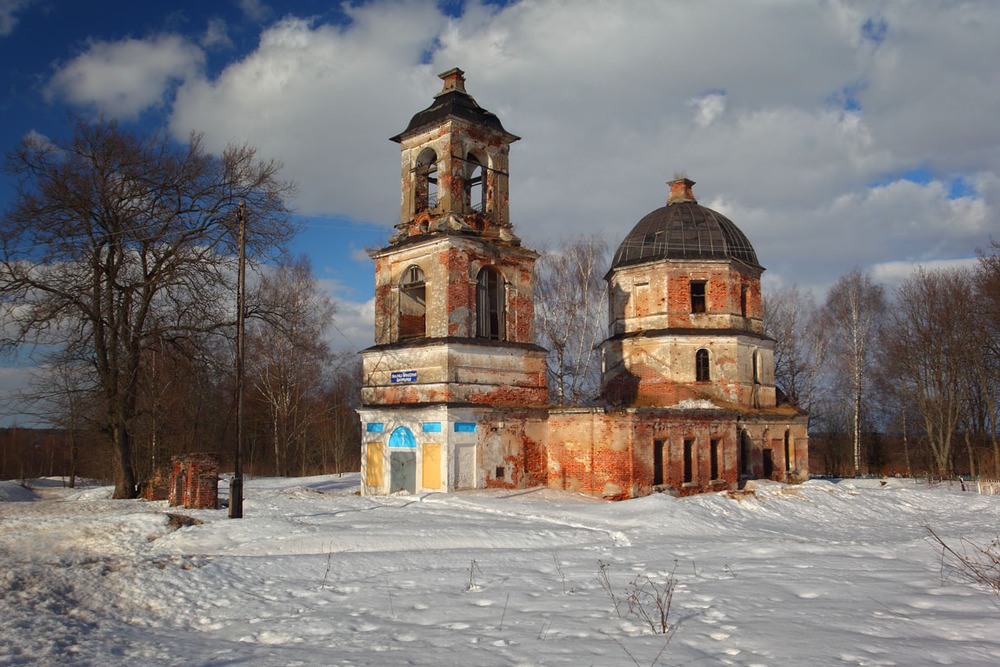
(126, 77)
(796, 120)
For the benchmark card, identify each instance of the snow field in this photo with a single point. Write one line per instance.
(820, 574)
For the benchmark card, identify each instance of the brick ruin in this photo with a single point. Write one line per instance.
(454, 390)
(194, 481)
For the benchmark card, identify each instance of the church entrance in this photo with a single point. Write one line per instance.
(403, 472)
(465, 467)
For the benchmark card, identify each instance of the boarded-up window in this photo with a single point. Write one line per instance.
(373, 464)
(431, 472)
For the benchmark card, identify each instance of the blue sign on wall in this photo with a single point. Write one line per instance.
(398, 377)
(465, 427)
(373, 427)
(432, 427)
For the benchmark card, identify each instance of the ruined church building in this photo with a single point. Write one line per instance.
(454, 391)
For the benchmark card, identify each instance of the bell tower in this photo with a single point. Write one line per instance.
(454, 307)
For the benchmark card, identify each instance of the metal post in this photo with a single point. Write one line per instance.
(236, 486)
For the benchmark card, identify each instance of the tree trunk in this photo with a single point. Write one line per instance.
(124, 471)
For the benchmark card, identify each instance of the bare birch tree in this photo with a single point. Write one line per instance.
(115, 239)
(851, 318)
(289, 355)
(571, 316)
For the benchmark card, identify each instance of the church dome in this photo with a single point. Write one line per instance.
(683, 229)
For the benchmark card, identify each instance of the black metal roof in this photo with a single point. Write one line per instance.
(684, 230)
(452, 104)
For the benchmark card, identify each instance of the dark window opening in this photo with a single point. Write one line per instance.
(714, 459)
(500, 472)
(701, 368)
(788, 452)
(743, 300)
(657, 462)
(768, 463)
(426, 194)
(688, 461)
(475, 184)
(490, 304)
(697, 296)
(745, 464)
(412, 304)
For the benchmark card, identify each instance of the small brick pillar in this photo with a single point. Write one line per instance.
(194, 481)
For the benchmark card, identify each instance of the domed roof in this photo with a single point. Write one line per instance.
(684, 230)
(452, 102)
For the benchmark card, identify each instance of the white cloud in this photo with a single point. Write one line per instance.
(216, 35)
(611, 100)
(255, 10)
(126, 77)
(891, 274)
(708, 108)
(8, 14)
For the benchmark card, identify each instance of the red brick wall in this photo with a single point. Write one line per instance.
(194, 481)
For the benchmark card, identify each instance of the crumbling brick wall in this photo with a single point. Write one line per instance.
(194, 481)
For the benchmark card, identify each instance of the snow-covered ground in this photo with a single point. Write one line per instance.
(818, 574)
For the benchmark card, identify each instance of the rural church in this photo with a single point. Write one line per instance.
(454, 391)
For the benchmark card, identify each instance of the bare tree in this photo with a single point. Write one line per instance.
(927, 349)
(851, 318)
(987, 356)
(571, 316)
(289, 355)
(116, 239)
(790, 318)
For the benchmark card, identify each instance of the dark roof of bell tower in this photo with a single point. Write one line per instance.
(453, 102)
(683, 229)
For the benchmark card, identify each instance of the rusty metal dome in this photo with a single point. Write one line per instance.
(683, 229)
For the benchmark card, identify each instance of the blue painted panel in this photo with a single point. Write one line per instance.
(374, 427)
(432, 427)
(465, 427)
(402, 437)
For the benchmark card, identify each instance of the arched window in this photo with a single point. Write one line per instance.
(490, 304)
(475, 184)
(412, 304)
(425, 196)
(701, 373)
(756, 367)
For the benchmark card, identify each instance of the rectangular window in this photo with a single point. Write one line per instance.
(465, 427)
(714, 458)
(657, 462)
(431, 427)
(688, 461)
(697, 296)
(374, 427)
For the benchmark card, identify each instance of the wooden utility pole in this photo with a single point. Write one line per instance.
(236, 486)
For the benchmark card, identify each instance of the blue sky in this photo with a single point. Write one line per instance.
(834, 133)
